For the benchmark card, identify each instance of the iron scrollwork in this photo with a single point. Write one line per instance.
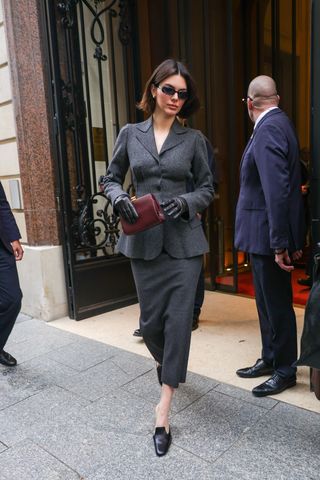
(94, 231)
(96, 30)
(95, 228)
(66, 8)
(67, 105)
(124, 27)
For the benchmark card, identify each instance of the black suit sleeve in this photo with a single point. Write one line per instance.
(8, 227)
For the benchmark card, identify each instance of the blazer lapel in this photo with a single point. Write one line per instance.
(145, 136)
(175, 137)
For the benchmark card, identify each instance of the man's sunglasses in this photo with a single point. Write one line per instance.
(170, 91)
(244, 99)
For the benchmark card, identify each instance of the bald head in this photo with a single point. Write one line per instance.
(263, 91)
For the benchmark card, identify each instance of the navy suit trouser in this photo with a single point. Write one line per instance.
(10, 294)
(276, 314)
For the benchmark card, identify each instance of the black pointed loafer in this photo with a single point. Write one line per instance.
(137, 333)
(159, 373)
(259, 369)
(7, 359)
(274, 385)
(162, 441)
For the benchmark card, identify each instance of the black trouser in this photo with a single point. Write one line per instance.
(276, 314)
(10, 294)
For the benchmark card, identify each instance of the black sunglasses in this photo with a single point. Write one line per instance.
(170, 91)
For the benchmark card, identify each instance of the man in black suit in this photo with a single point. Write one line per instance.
(270, 226)
(10, 293)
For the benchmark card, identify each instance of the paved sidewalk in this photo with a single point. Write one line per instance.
(76, 408)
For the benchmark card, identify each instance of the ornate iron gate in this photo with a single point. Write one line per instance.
(91, 69)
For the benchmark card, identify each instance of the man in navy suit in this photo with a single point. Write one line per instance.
(10, 293)
(270, 226)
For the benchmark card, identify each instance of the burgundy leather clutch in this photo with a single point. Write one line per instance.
(150, 214)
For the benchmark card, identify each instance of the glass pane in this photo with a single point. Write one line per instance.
(104, 112)
(265, 34)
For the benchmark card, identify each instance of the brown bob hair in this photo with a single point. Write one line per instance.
(164, 70)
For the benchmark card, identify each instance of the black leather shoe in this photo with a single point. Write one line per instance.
(274, 385)
(137, 333)
(305, 282)
(159, 372)
(7, 359)
(162, 441)
(195, 323)
(259, 369)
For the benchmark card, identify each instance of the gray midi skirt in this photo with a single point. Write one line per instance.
(166, 288)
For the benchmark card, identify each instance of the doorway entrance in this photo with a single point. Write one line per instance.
(101, 54)
(228, 43)
(277, 41)
(93, 91)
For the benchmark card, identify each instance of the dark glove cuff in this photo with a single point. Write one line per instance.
(184, 205)
(184, 208)
(117, 200)
(120, 197)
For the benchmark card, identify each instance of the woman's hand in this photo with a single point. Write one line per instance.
(175, 207)
(125, 209)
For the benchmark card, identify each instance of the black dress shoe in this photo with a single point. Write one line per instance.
(162, 441)
(159, 372)
(305, 282)
(274, 385)
(7, 359)
(137, 333)
(195, 323)
(259, 369)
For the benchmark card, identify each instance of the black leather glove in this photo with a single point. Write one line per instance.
(175, 207)
(125, 208)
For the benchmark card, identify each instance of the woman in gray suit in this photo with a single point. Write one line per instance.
(166, 260)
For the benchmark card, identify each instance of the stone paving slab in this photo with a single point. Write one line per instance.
(82, 353)
(75, 408)
(34, 347)
(28, 461)
(211, 425)
(45, 408)
(97, 381)
(147, 387)
(132, 364)
(111, 414)
(269, 452)
(231, 391)
(3, 447)
(86, 449)
(142, 464)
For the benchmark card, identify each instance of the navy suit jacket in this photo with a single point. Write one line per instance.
(269, 212)
(8, 227)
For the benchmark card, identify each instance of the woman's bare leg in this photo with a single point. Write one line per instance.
(163, 407)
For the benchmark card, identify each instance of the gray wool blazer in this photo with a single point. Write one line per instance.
(183, 157)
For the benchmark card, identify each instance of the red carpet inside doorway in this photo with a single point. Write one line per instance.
(300, 294)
